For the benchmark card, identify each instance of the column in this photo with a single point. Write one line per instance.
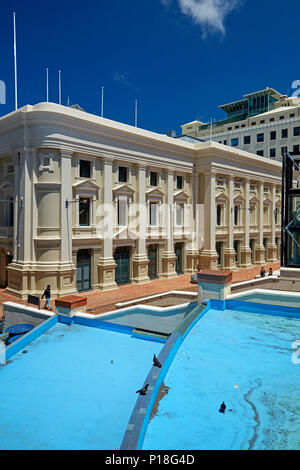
(192, 224)
(272, 247)
(259, 248)
(169, 258)
(106, 264)
(16, 162)
(19, 271)
(229, 253)
(66, 224)
(66, 276)
(209, 256)
(140, 257)
(245, 248)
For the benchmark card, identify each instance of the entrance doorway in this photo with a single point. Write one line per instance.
(122, 260)
(83, 278)
(179, 258)
(152, 266)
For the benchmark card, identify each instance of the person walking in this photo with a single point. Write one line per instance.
(47, 295)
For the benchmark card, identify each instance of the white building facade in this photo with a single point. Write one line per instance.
(269, 130)
(89, 203)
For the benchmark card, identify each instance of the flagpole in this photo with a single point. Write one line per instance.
(135, 120)
(102, 92)
(15, 62)
(47, 84)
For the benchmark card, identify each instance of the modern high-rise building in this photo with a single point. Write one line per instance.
(265, 123)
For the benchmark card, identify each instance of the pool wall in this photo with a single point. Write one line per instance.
(139, 420)
(24, 340)
(267, 309)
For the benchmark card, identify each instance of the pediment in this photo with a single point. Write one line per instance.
(267, 200)
(220, 195)
(154, 192)
(238, 198)
(181, 195)
(125, 234)
(86, 184)
(124, 189)
(253, 199)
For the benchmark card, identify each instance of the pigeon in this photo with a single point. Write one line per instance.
(143, 390)
(222, 408)
(156, 361)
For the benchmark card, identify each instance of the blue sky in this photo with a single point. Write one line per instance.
(179, 58)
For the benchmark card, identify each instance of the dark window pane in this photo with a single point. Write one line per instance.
(85, 168)
(260, 137)
(84, 211)
(122, 174)
(153, 178)
(179, 182)
(296, 131)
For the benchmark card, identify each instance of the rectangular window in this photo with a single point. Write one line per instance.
(122, 211)
(225, 142)
(271, 119)
(296, 149)
(179, 182)
(272, 153)
(296, 131)
(260, 137)
(179, 214)
(273, 135)
(247, 139)
(292, 115)
(123, 174)
(219, 214)
(261, 121)
(153, 214)
(153, 178)
(84, 211)
(229, 128)
(234, 142)
(260, 153)
(284, 133)
(236, 215)
(281, 117)
(253, 123)
(85, 169)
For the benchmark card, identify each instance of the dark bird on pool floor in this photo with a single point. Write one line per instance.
(143, 390)
(222, 408)
(156, 361)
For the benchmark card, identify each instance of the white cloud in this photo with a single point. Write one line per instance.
(210, 14)
(121, 78)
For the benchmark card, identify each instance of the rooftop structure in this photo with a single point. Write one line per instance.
(265, 123)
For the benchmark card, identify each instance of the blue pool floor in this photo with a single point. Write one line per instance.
(74, 388)
(244, 359)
